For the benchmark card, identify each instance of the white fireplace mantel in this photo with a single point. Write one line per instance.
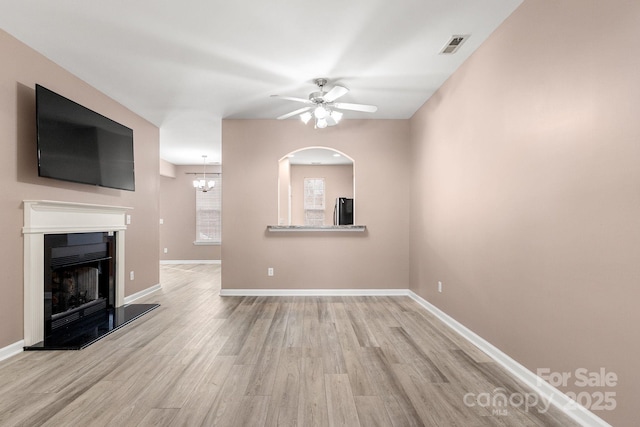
(53, 217)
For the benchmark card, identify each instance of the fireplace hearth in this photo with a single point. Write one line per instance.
(83, 332)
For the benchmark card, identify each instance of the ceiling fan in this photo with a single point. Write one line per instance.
(322, 106)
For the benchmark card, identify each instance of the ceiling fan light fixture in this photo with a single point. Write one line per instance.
(305, 117)
(321, 104)
(320, 112)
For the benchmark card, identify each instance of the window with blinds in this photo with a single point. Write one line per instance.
(313, 201)
(209, 213)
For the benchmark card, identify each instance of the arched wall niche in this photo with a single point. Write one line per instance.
(305, 173)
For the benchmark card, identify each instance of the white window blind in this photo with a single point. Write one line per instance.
(314, 201)
(209, 213)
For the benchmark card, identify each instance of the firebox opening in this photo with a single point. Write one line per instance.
(79, 277)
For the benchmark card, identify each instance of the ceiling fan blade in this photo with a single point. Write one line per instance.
(293, 113)
(290, 98)
(356, 107)
(335, 93)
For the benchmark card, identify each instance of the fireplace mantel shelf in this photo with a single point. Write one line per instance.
(48, 216)
(73, 205)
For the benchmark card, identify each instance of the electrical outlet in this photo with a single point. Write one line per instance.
(128, 219)
(166, 250)
(161, 221)
(131, 276)
(439, 286)
(270, 271)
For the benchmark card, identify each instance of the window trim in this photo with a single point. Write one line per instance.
(216, 206)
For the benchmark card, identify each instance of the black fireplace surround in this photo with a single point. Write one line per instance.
(80, 291)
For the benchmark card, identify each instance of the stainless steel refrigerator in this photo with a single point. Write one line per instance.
(343, 211)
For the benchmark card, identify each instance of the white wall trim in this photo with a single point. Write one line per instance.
(189, 261)
(311, 292)
(547, 391)
(11, 350)
(143, 293)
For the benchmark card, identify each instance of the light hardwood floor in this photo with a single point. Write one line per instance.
(205, 360)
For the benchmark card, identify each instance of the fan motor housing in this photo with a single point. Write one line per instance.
(317, 97)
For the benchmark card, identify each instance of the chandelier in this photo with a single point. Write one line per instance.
(202, 184)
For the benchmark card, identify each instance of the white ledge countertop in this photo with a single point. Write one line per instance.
(316, 228)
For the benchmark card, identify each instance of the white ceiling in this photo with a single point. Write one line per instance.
(185, 65)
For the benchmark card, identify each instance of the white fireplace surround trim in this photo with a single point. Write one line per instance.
(54, 217)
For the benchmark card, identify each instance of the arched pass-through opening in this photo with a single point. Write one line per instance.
(313, 184)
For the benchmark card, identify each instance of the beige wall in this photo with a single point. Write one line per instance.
(338, 182)
(178, 213)
(376, 259)
(21, 69)
(526, 190)
(167, 169)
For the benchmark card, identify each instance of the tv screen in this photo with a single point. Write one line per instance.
(77, 144)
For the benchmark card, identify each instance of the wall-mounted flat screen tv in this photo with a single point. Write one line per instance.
(77, 144)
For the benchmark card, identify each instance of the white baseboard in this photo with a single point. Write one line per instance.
(189, 261)
(547, 391)
(311, 292)
(143, 293)
(11, 350)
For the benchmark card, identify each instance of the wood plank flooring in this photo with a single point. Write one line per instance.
(204, 360)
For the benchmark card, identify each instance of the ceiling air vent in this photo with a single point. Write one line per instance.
(454, 44)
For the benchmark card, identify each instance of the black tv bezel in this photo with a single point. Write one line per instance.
(95, 114)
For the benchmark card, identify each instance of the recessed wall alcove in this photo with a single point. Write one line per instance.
(309, 170)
